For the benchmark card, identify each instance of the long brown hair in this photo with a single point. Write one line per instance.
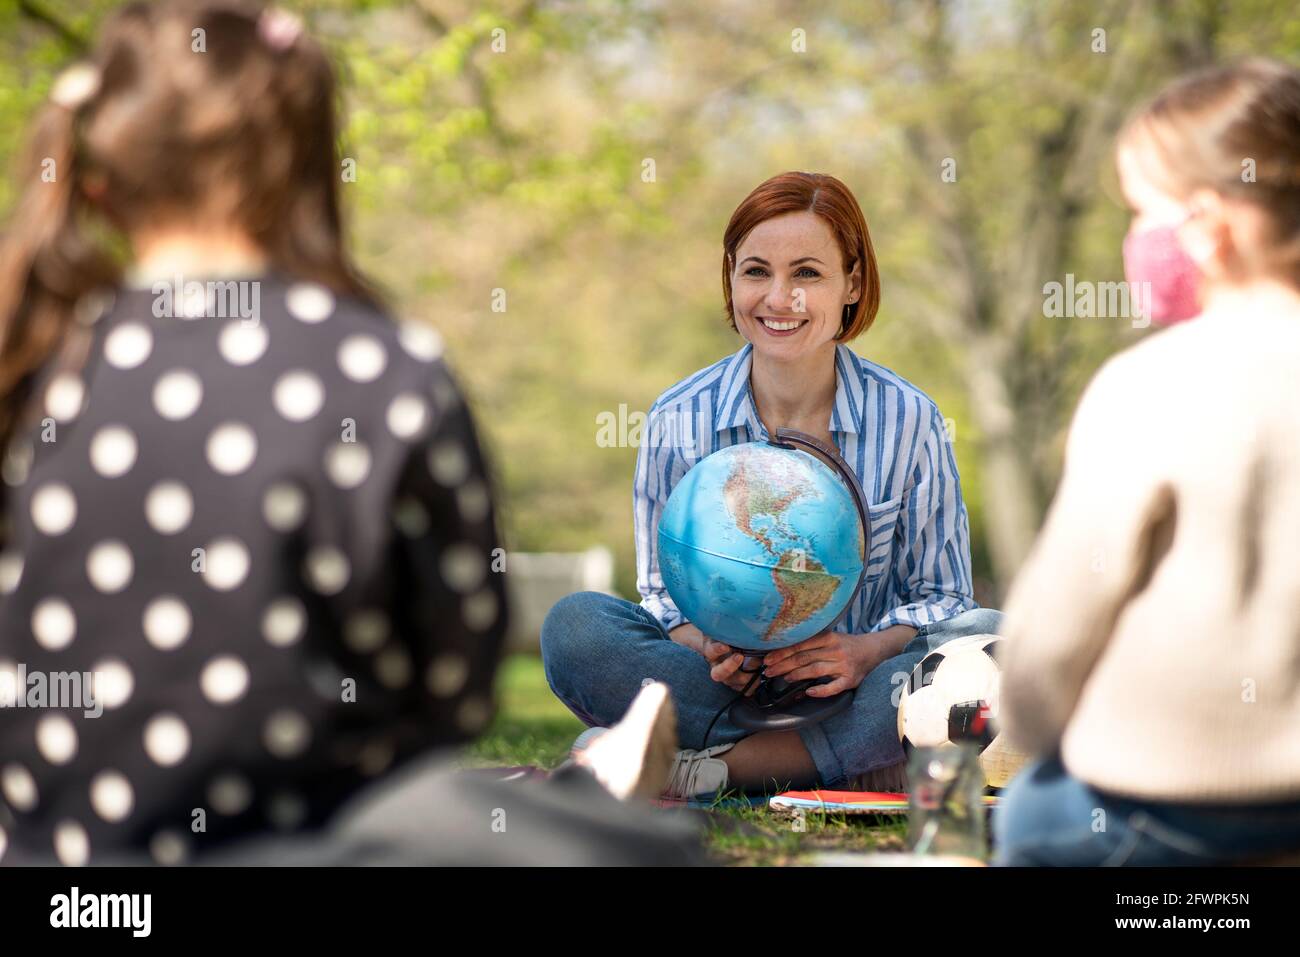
(193, 108)
(1235, 129)
(834, 202)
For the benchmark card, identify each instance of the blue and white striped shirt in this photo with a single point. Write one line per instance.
(891, 435)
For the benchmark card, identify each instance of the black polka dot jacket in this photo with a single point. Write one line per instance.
(250, 565)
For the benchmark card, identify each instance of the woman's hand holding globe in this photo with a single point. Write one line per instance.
(724, 660)
(725, 663)
(846, 659)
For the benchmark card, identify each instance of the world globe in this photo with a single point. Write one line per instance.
(761, 546)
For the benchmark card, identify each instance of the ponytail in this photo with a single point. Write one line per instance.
(47, 264)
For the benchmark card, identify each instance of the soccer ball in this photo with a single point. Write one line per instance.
(953, 693)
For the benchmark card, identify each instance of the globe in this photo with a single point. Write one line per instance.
(761, 546)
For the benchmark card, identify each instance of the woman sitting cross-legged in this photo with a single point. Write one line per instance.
(800, 281)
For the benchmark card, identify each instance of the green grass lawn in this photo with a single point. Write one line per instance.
(533, 727)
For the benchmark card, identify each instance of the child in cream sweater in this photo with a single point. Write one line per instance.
(1153, 658)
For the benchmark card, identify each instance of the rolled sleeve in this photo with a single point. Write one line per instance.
(932, 577)
(658, 468)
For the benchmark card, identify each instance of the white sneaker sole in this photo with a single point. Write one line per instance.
(634, 757)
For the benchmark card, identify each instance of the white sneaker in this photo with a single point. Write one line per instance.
(696, 773)
(581, 741)
(633, 758)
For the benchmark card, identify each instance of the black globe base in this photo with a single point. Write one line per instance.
(748, 715)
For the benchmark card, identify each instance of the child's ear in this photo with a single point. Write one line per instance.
(1208, 234)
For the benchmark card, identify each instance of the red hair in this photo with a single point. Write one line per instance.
(832, 201)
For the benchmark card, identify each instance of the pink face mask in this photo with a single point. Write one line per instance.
(1154, 256)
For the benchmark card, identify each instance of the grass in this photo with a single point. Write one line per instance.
(533, 727)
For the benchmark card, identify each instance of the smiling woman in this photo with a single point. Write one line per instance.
(799, 280)
(825, 220)
(798, 276)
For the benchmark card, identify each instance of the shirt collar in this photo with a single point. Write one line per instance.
(736, 401)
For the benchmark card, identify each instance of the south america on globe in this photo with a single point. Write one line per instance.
(760, 546)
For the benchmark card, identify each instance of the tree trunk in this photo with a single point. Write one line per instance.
(1011, 508)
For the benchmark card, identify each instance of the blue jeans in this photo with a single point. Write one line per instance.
(1047, 817)
(599, 649)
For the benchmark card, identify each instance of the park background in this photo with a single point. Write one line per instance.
(502, 195)
(547, 182)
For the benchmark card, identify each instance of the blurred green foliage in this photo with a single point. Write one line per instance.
(501, 148)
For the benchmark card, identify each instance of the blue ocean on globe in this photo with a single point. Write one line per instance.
(760, 547)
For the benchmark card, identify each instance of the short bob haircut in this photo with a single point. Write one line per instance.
(832, 201)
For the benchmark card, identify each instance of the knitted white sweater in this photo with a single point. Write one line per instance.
(1154, 632)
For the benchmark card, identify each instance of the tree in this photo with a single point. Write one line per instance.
(547, 181)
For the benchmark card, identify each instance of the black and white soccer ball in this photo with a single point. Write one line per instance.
(953, 693)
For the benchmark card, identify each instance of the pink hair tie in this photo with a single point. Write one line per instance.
(278, 28)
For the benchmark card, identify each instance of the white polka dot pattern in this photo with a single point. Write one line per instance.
(224, 680)
(231, 448)
(230, 794)
(366, 630)
(310, 302)
(286, 734)
(166, 739)
(169, 848)
(71, 844)
(110, 566)
(218, 534)
(407, 415)
(64, 396)
(298, 395)
(167, 622)
(18, 787)
(362, 358)
(111, 796)
(11, 572)
(284, 506)
(53, 508)
(54, 624)
(177, 395)
(284, 622)
(243, 344)
(420, 341)
(347, 464)
(112, 451)
(128, 345)
(168, 507)
(56, 739)
(112, 682)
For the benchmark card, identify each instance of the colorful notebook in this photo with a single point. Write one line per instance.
(852, 802)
